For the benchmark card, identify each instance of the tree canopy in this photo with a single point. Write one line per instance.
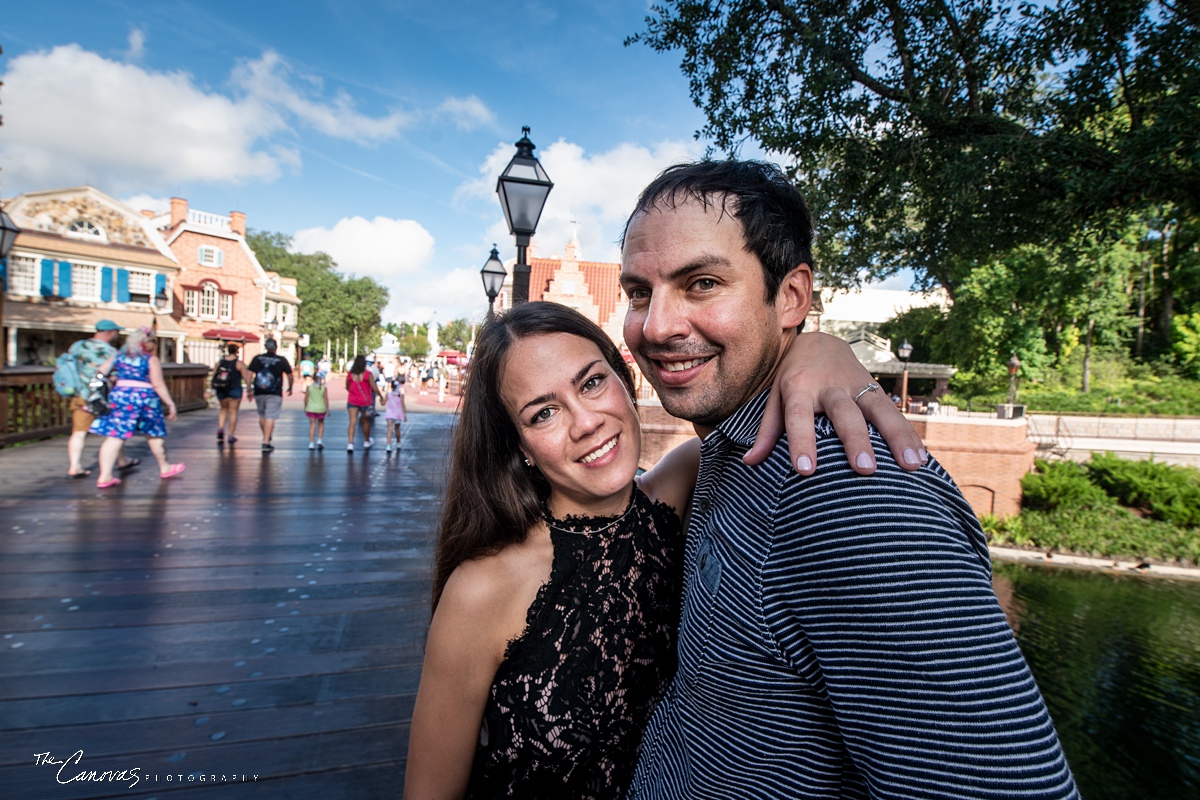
(332, 304)
(1037, 160)
(935, 135)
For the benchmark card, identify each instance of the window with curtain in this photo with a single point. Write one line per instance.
(208, 301)
(141, 286)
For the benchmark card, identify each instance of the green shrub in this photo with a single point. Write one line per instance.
(1166, 492)
(1112, 532)
(1061, 484)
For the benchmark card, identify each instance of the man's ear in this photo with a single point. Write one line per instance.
(794, 297)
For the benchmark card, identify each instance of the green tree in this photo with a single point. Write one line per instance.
(332, 304)
(940, 136)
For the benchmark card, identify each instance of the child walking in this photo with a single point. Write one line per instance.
(316, 406)
(395, 412)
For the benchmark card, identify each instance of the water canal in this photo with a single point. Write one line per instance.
(1118, 660)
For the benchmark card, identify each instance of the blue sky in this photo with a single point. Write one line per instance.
(372, 130)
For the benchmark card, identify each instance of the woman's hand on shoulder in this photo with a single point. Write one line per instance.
(820, 374)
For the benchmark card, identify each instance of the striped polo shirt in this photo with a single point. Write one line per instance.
(840, 639)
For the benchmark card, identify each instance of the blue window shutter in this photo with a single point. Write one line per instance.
(106, 284)
(4, 274)
(200, 255)
(160, 284)
(220, 257)
(64, 279)
(47, 287)
(122, 286)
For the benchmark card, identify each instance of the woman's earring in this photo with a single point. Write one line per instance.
(528, 463)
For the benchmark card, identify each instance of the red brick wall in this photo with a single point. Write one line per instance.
(986, 458)
(236, 274)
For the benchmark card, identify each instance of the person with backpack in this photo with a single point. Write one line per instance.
(361, 391)
(267, 388)
(227, 379)
(75, 369)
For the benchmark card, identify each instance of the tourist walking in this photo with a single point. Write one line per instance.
(228, 377)
(361, 392)
(88, 354)
(269, 370)
(316, 407)
(137, 401)
(395, 412)
(558, 574)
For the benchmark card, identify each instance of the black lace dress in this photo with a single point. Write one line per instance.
(567, 708)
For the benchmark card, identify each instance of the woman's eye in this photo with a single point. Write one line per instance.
(592, 382)
(542, 415)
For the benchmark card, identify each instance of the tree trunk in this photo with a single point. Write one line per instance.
(1141, 326)
(1087, 357)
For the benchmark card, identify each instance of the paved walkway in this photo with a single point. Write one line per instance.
(262, 615)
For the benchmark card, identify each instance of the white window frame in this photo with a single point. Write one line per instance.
(147, 281)
(78, 281)
(209, 256)
(191, 302)
(86, 229)
(23, 275)
(225, 306)
(208, 301)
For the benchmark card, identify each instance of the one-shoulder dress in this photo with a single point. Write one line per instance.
(568, 705)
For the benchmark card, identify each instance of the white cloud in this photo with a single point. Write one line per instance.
(72, 116)
(592, 194)
(467, 113)
(271, 80)
(388, 250)
(137, 45)
(147, 202)
(444, 296)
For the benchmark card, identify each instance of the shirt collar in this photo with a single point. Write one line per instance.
(741, 426)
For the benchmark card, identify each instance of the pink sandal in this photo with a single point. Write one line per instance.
(175, 469)
(106, 484)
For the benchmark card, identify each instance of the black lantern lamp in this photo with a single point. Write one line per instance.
(493, 275)
(523, 188)
(905, 352)
(1014, 366)
(8, 234)
(8, 238)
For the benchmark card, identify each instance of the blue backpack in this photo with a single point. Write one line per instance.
(67, 380)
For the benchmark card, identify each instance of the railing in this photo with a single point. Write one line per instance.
(208, 220)
(31, 409)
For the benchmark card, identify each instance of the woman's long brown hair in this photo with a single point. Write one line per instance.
(492, 499)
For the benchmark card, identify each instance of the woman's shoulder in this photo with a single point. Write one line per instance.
(491, 589)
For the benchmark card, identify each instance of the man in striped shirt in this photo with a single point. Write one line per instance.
(840, 637)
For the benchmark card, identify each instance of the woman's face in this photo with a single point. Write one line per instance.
(149, 344)
(576, 421)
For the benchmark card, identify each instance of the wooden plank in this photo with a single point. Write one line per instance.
(129, 615)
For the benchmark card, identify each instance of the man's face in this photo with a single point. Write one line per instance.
(106, 336)
(698, 322)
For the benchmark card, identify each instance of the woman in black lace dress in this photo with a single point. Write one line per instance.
(557, 580)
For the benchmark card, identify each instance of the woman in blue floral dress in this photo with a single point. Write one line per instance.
(137, 402)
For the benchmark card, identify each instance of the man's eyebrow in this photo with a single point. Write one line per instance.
(579, 376)
(701, 262)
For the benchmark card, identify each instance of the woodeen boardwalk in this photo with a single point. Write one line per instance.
(262, 615)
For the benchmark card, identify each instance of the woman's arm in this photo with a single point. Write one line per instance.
(160, 386)
(465, 646)
(819, 374)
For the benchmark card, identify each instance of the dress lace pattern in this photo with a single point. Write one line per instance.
(569, 703)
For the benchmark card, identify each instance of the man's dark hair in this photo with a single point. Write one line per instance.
(775, 220)
(270, 345)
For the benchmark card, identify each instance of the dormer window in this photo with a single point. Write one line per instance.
(209, 256)
(85, 229)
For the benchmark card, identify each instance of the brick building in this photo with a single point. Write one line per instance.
(83, 256)
(223, 294)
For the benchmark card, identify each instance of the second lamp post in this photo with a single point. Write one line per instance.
(523, 188)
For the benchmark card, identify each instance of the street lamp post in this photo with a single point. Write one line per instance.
(8, 237)
(523, 187)
(493, 275)
(905, 352)
(1014, 365)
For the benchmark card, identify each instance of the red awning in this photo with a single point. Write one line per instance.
(229, 335)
